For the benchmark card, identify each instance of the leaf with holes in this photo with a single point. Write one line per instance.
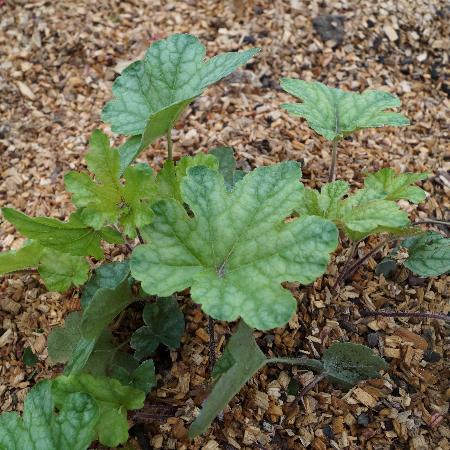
(151, 94)
(334, 113)
(72, 428)
(234, 237)
(164, 324)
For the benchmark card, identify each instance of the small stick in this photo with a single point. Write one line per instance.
(346, 265)
(316, 380)
(332, 175)
(212, 344)
(419, 315)
(431, 222)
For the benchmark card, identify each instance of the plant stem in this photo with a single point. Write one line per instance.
(420, 315)
(292, 361)
(139, 235)
(23, 272)
(332, 175)
(212, 344)
(346, 265)
(316, 380)
(169, 145)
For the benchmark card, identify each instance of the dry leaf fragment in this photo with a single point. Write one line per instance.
(25, 90)
(390, 33)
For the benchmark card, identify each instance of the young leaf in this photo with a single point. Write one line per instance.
(247, 358)
(346, 364)
(107, 200)
(200, 159)
(29, 358)
(73, 428)
(428, 254)
(388, 185)
(26, 257)
(106, 276)
(334, 113)
(359, 215)
(106, 304)
(113, 401)
(142, 377)
(235, 237)
(60, 270)
(164, 324)
(227, 166)
(151, 94)
(72, 237)
(66, 344)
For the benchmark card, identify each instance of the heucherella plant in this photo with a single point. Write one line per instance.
(335, 114)
(230, 237)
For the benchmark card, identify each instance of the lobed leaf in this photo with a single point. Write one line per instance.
(113, 400)
(26, 257)
(142, 377)
(334, 113)
(151, 94)
(72, 237)
(227, 166)
(73, 428)
(235, 237)
(164, 324)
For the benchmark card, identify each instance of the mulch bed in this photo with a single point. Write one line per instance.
(57, 63)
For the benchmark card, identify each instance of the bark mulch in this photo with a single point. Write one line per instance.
(57, 63)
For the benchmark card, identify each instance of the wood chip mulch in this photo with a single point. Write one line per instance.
(57, 63)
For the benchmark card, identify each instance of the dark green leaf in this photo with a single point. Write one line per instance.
(227, 165)
(29, 358)
(164, 324)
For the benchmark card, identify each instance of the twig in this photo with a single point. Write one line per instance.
(212, 344)
(432, 221)
(139, 235)
(169, 145)
(332, 175)
(23, 272)
(316, 380)
(346, 265)
(363, 259)
(419, 315)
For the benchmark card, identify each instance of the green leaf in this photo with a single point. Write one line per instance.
(358, 215)
(29, 358)
(113, 400)
(106, 276)
(142, 378)
(106, 304)
(388, 185)
(429, 254)
(225, 363)
(106, 200)
(248, 359)
(235, 237)
(164, 325)
(60, 270)
(346, 364)
(73, 428)
(66, 344)
(72, 237)
(200, 159)
(151, 94)
(334, 113)
(227, 166)
(26, 257)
